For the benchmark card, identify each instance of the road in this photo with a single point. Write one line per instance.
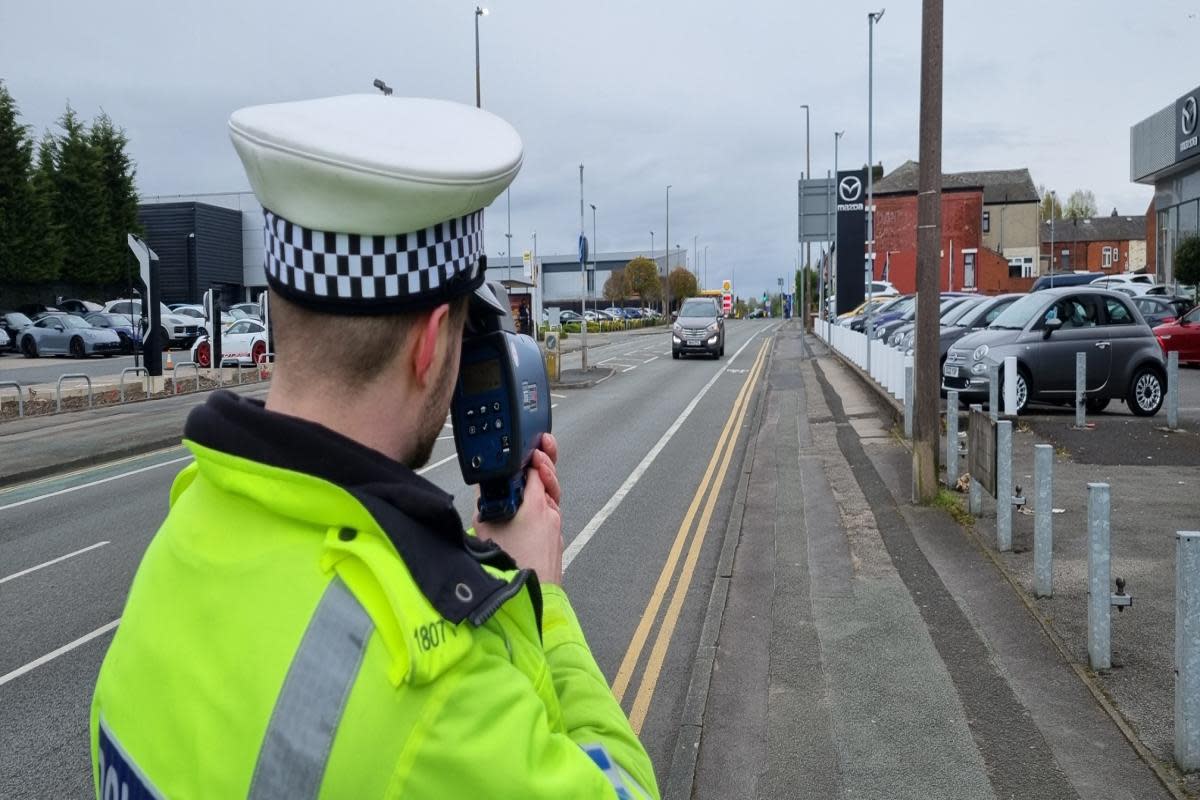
(637, 452)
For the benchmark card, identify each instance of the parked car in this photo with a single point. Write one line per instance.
(883, 289)
(569, 316)
(1056, 279)
(247, 309)
(66, 334)
(975, 318)
(1122, 284)
(5, 342)
(13, 322)
(177, 330)
(632, 313)
(34, 310)
(244, 342)
(950, 310)
(1157, 310)
(196, 312)
(1044, 330)
(80, 308)
(897, 309)
(123, 326)
(885, 331)
(615, 313)
(1183, 336)
(699, 328)
(1177, 290)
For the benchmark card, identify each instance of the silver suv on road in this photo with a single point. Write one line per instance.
(1044, 331)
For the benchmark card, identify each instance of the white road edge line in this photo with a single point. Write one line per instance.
(558, 396)
(53, 654)
(53, 561)
(98, 482)
(579, 542)
(648, 360)
(433, 466)
(627, 369)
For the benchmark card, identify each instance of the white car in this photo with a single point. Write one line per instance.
(1127, 283)
(196, 312)
(883, 289)
(4, 341)
(177, 330)
(245, 342)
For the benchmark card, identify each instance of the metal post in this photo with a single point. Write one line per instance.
(1010, 386)
(667, 261)
(508, 236)
(1043, 520)
(994, 392)
(951, 438)
(1173, 389)
(1187, 649)
(908, 399)
(975, 498)
(1004, 486)
(872, 18)
(1080, 389)
(1099, 569)
(583, 326)
(479, 12)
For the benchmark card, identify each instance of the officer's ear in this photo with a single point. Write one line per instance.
(431, 327)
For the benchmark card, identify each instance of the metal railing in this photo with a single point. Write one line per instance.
(175, 374)
(134, 371)
(20, 400)
(229, 362)
(58, 389)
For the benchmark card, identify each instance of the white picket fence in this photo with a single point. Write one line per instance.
(887, 363)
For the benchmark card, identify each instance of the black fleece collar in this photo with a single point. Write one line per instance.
(417, 516)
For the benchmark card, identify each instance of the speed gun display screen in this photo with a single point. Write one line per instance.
(483, 376)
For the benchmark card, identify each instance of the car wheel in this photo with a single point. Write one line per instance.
(77, 350)
(258, 351)
(1145, 396)
(675, 354)
(1095, 405)
(1022, 390)
(29, 347)
(204, 355)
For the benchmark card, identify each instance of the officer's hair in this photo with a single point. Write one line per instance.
(349, 349)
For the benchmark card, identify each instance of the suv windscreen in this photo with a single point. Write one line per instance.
(698, 308)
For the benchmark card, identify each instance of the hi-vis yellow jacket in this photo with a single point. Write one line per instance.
(276, 644)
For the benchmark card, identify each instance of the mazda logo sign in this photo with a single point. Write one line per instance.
(1188, 116)
(850, 188)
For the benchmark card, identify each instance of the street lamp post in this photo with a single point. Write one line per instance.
(667, 264)
(837, 136)
(873, 18)
(537, 289)
(595, 272)
(808, 175)
(583, 326)
(479, 12)
(1053, 203)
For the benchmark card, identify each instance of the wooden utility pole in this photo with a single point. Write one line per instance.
(926, 380)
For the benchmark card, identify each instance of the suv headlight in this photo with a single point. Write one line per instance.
(980, 353)
(714, 327)
(677, 328)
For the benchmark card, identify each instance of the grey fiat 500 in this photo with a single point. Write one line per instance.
(1044, 331)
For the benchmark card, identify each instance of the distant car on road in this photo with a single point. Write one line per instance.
(1044, 331)
(699, 329)
(123, 326)
(13, 322)
(1182, 336)
(758, 313)
(67, 335)
(244, 342)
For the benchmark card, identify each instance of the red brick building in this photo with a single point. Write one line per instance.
(1112, 244)
(967, 264)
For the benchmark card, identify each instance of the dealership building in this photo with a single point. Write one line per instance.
(1164, 152)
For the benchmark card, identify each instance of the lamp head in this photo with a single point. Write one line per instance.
(876, 15)
(480, 12)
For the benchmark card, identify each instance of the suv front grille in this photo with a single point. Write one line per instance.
(695, 333)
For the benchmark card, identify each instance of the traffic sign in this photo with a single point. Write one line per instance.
(527, 263)
(583, 249)
(726, 302)
(726, 286)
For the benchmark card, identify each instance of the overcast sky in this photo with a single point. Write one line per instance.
(701, 95)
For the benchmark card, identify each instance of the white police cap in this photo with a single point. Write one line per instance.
(374, 204)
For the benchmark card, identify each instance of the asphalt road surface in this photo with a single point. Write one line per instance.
(638, 451)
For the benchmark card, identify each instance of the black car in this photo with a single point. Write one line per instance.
(699, 329)
(1058, 279)
(1161, 310)
(13, 322)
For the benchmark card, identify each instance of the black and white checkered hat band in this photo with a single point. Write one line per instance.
(354, 269)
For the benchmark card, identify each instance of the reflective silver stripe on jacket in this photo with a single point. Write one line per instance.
(295, 749)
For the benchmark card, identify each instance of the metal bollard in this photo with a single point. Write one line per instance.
(1099, 570)
(1080, 389)
(994, 392)
(975, 497)
(1187, 649)
(1010, 386)
(1173, 389)
(20, 401)
(908, 401)
(1043, 520)
(951, 438)
(1004, 486)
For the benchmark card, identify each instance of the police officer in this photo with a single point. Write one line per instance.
(311, 620)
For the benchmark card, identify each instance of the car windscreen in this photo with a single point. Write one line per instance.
(698, 308)
(73, 322)
(1017, 316)
(955, 313)
(17, 319)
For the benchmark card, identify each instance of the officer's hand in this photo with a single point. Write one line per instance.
(534, 536)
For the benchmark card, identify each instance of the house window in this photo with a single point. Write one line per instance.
(987, 221)
(968, 270)
(1108, 258)
(1020, 267)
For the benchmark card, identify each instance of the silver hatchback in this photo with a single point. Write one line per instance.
(1044, 331)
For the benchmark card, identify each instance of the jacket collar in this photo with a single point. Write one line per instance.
(417, 516)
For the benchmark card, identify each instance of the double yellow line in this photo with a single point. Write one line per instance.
(710, 485)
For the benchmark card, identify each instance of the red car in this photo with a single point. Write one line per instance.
(1183, 336)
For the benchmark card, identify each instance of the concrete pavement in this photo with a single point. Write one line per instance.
(865, 649)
